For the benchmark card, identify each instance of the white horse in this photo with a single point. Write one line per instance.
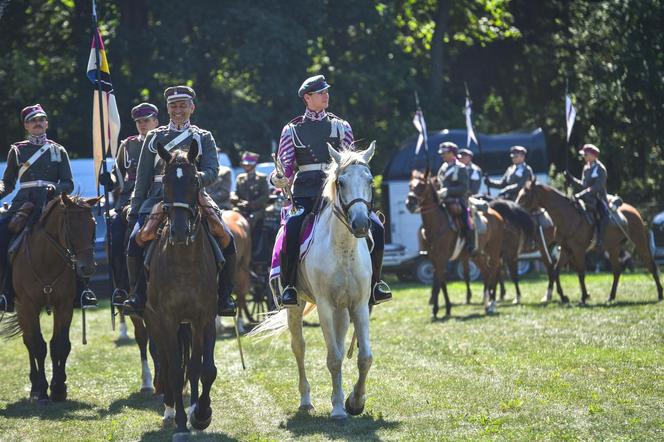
(335, 275)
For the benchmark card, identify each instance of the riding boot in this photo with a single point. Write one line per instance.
(138, 285)
(470, 241)
(380, 291)
(6, 293)
(288, 277)
(601, 230)
(225, 304)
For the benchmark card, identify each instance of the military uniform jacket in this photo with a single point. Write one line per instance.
(253, 188)
(148, 189)
(475, 178)
(52, 166)
(303, 145)
(454, 178)
(516, 176)
(125, 167)
(593, 181)
(220, 190)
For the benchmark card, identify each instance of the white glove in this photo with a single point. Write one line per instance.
(442, 193)
(280, 181)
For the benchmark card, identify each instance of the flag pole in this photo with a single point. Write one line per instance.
(477, 140)
(107, 216)
(567, 138)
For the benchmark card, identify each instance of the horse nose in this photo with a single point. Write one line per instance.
(360, 228)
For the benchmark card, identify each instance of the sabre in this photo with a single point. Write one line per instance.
(289, 194)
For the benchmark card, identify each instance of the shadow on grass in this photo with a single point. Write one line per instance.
(136, 401)
(68, 409)
(167, 433)
(618, 304)
(364, 427)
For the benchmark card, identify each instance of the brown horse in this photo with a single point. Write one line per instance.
(182, 295)
(57, 249)
(239, 227)
(441, 240)
(575, 236)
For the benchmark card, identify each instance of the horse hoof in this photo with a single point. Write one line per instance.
(353, 411)
(200, 423)
(340, 420)
(564, 299)
(516, 301)
(59, 395)
(309, 409)
(147, 391)
(180, 437)
(43, 402)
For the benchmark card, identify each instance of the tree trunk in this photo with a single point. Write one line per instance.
(437, 50)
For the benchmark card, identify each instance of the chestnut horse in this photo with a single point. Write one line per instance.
(441, 240)
(575, 236)
(241, 230)
(54, 252)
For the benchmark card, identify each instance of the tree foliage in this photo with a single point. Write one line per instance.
(247, 59)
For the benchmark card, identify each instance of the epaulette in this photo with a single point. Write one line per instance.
(297, 119)
(130, 138)
(199, 130)
(20, 144)
(53, 143)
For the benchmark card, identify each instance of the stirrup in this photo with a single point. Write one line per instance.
(88, 299)
(290, 304)
(130, 309)
(382, 287)
(119, 296)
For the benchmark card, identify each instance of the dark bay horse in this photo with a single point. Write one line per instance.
(182, 295)
(575, 236)
(57, 249)
(442, 240)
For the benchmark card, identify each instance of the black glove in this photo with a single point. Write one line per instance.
(106, 180)
(487, 180)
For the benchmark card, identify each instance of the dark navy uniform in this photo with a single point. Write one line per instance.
(42, 171)
(516, 176)
(303, 153)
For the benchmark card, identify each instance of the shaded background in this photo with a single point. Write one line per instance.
(246, 60)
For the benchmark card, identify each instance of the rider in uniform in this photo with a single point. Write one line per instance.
(592, 189)
(454, 188)
(303, 149)
(252, 194)
(41, 167)
(122, 180)
(148, 191)
(516, 176)
(474, 171)
(220, 190)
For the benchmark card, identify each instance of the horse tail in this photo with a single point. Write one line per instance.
(276, 323)
(515, 215)
(10, 326)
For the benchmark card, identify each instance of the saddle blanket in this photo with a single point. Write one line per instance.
(306, 239)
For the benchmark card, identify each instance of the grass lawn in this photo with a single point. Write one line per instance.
(530, 372)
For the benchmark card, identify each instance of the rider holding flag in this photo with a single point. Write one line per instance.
(304, 155)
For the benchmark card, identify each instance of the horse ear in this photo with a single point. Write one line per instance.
(193, 151)
(93, 201)
(163, 153)
(336, 156)
(369, 153)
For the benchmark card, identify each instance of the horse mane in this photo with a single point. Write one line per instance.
(348, 158)
(514, 214)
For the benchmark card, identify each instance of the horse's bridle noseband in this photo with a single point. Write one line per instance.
(193, 209)
(342, 212)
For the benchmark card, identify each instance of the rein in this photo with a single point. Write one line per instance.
(194, 210)
(65, 251)
(342, 212)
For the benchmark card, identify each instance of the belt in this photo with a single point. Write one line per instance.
(158, 178)
(36, 183)
(312, 167)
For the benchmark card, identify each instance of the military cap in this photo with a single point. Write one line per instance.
(179, 93)
(144, 110)
(589, 148)
(465, 151)
(312, 85)
(30, 112)
(249, 158)
(518, 149)
(447, 146)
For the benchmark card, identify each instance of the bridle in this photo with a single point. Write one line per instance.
(341, 209)
(192, 208)
(420, 200)
(66, 251)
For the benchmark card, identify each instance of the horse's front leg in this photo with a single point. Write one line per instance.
(141, 336)
(335, 356)
(466, 277)
(562, 260)
(28, 319)
(298, 348)
(202, 415)
(356, 400)
(60, 346)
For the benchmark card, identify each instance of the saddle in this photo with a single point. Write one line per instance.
(615, 216)
(454, 210)
(478, 209)
(209, 212)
